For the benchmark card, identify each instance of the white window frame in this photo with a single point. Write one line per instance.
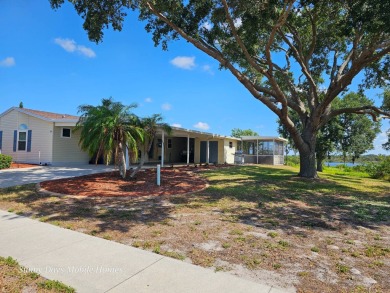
(62, 132)
(25, 141)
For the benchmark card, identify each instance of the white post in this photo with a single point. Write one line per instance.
(257, 151)
(127, 158)
(273, 152)
(162, 149)
(188, 149)
(208, 152)
(158, 175)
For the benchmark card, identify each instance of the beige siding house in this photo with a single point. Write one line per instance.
(46, 138)
(190, 146)
(39, 137)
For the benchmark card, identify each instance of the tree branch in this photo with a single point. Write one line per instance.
(304, 69)
(313, 40)
(233, 29)
(268, 74)
(340, 84)
(375, 112)
(280, 22)
(219, 57)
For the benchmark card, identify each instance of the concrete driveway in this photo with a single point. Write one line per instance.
(13, 177)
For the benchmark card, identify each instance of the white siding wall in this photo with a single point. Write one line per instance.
(66, 150)
(42, 132)
(228, 151)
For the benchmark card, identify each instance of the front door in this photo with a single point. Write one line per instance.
(213, 151)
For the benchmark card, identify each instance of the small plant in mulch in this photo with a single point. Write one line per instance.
(272, 234)
(315, 249)
(342, 268)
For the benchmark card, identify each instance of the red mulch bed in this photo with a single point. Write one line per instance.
(21, 165)
(173, 181)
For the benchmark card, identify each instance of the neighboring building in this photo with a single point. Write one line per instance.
(38, 137)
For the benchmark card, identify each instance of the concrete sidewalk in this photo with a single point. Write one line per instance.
(91, 264)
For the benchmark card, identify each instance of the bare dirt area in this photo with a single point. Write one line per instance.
(259, 223)
(173, 181)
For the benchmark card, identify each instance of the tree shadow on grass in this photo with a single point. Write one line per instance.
(282, 200)
(105, 214)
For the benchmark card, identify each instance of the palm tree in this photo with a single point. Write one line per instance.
(150, 126)
(108, 129)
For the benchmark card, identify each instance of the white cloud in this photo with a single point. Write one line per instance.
(207, 25)
(202, 125)
(86, 51)
(166, 107)
(8, 62)
(176, 125)
(184, 62)
(237, 22)
(71, 46)
(66, 44)
(148, 100)
(207, 68)
(379, 140)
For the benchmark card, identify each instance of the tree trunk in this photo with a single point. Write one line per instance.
(121, 161)
(141, 163)
(142, 159)
(307, 161)
(319, 164)
(307, 155)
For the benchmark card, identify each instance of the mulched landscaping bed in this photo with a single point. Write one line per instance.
(173, 181)
(21, 165)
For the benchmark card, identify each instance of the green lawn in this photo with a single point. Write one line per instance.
(259, 222)
(16, 278)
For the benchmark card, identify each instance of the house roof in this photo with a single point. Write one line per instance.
(47, 116)
(262, 138)
(184, 131)
(66, 118)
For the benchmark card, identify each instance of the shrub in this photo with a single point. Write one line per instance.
(5, 161)
(380, 170)
(292, 161)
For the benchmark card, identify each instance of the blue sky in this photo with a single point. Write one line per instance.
(48, 63)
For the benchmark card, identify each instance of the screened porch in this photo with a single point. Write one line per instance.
(262, 150)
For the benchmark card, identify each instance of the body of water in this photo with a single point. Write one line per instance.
(334, 164)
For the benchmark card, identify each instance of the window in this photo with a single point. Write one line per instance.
(230, 144)
(22, 141)
(65, 132)
(169, 143)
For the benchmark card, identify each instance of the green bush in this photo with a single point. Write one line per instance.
(292, 161)
(380, 170)
(5, 161)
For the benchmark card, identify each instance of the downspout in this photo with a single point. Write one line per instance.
(188, 149)
(208, 152)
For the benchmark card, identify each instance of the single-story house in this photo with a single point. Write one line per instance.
(39, 137)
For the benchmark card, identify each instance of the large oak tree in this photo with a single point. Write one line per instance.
(285, 53)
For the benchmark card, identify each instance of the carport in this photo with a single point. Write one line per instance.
(191, 146)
